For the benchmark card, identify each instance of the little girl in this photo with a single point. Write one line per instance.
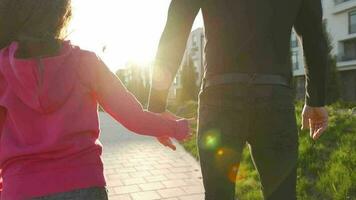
(49, 95)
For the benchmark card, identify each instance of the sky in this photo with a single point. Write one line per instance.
(129, 29)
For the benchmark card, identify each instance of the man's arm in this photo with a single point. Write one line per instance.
(171, 48)
(309, 27)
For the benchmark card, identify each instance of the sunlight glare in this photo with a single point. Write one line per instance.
(119, 31)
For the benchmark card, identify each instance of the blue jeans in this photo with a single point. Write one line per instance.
(94, 193)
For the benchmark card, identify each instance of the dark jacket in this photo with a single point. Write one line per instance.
(248, 36)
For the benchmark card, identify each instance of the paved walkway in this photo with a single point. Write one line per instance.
(139, 168)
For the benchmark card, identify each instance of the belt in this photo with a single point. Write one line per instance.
(249, 79)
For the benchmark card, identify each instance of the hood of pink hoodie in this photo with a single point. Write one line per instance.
(46, 93)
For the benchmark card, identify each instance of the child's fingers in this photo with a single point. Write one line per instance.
(162, 140)
(166, 141)
(172, 146)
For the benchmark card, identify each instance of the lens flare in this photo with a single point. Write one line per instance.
(211, 139)
(220, 152)
(232, 174)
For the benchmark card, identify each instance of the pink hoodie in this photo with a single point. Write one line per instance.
(49, 125)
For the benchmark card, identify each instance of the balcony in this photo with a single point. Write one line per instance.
(344, 58)
(341, 1)
(346, 62)
(348, 58)
(343, 5)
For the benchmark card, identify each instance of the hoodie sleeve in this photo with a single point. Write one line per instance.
(124, 107)
(2, 120)
(0, 184)
(2, 109)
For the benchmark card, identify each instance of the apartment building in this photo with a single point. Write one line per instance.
(194, 50)
(340, 18)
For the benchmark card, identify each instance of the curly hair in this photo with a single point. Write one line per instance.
(33, 20)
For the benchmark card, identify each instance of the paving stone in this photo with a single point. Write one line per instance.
(192, 197)
(126, 189)
(172, 192)
(174, 183)
(151, 186)
(148, 195)
(139, 168)
(120, 197)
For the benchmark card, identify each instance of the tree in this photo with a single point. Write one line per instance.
(136, 79)
(190, 88)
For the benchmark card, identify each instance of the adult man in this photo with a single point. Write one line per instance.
(246, 94)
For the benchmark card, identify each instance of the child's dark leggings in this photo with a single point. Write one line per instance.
(94, 193)
(263, 117)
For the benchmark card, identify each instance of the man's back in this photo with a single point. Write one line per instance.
(248, 36)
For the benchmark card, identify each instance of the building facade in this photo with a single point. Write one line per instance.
(340, 19)
(194, 50)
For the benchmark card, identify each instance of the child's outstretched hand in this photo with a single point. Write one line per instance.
(166, 140)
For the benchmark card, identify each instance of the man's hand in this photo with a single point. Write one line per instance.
(316, 119)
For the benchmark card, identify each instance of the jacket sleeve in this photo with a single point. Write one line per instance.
(171, 48)
(309, 27)
(124, 107)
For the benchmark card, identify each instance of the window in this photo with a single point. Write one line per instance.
(295, 60)
(195, 40)
(352, 22)
(294, 40)
(349, 50)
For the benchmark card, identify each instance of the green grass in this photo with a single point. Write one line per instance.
(326, 168)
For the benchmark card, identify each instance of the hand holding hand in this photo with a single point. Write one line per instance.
(166, 140)
(170, 116)
(316, 119)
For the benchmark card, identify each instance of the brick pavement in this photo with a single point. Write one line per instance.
(139, 168)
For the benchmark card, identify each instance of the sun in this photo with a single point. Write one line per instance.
(119, 31)
(140, 55)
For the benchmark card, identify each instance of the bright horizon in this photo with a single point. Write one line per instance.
(130, 29)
